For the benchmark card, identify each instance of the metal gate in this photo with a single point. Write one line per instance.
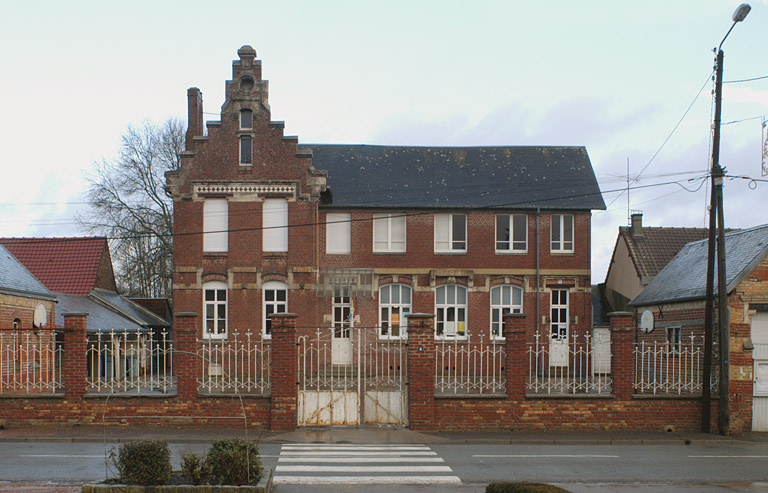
(372, 389)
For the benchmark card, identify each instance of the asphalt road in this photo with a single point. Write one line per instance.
(731, 466)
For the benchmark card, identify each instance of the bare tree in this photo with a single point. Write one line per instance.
(129, 204)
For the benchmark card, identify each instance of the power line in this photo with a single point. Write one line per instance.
(745, 80)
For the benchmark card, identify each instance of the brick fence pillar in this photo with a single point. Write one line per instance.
(284, 373)
(622, 363)
(517, 354)
(185, 362)
(75, 370)
(421, 371)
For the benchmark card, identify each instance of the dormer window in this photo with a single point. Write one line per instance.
(246, 119)
(246, 150)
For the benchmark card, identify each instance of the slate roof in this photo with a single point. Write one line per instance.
(65, 265)
(521, 177)
(16, 279)
(684, 277)
(655, 247)
(129, 308)
(100, 317)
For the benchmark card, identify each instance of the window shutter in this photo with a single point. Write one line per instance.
(215, 225)
(442, 228)
(275, 222)
(337, 233)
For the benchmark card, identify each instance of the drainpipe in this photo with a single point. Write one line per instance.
(538, 273)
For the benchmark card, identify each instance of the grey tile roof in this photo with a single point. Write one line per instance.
(129, 308)
(16, 279)
(655, 247)
(524, 177)
(100, 317)
(684, 277)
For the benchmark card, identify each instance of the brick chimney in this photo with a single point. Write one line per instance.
(194, 116)
(637, 224)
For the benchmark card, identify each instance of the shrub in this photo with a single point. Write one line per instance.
(146, 462)
(234, 462)
(522, 487)
(196, 468)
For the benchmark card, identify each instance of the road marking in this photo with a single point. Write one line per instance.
(64, 456)
(361, 464)
(728, 456)
(576, 456)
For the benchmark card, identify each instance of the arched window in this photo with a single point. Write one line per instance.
(451, 311)
(394, 305)
(504, 299)
(215, 308)
(274, 300)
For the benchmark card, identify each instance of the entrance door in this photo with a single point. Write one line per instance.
(342, 333)
(558, 336)
(760, 372)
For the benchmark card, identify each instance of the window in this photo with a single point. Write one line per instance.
(450, 232)
(275, 300)
(246, 119)
(394, 305)
(215, 225)
(388, 233)
(562, 232)
(504, 299)
(215, 303)
(342, 309)
(673, 340)
(275, 224)
(511, 232)
(337, 233)
(451, 307)
(246, 150)
(559, 315)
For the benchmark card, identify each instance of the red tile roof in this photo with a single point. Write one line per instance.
(655, 247)
(65, 265)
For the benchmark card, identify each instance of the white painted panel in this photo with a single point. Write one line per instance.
(558, 352)
(760, 328)
(341, 351)
(759, 335)
(385, 408)
(326, 408)
(601, 350)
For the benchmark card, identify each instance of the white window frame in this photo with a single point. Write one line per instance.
(388, 305)
(559, 314)
(512, 243)
(242, 113)
(274, 221)
(215, 225)
(674, 336)
(338, 233)
(558, 241)
(447, 237)
(246, 159)
(501, 305)
(449, 306)
(274, 305)
(215, 316)
(387, 232)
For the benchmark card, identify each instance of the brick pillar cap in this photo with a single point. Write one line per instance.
(283, 315)
(420, 315)
(185, 314)
(76, 314)
(620, 314)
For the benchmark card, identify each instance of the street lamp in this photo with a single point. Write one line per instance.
(716, 212)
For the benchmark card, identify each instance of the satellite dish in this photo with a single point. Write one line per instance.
(646, 321)
(41, 315)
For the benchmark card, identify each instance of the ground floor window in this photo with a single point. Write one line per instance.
(394, 305)
(504, 299)
(451, 311)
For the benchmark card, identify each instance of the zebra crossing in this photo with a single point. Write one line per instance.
(310, 463)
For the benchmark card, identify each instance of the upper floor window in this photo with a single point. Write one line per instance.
(275, 300)
(504, 299)
(388, 233)
(394, 305)
(246, 150)
(275, 225)
(562, 233)
(451, 311)
(215, 225)
(450, 232)
(246, 119)
(337, 232)
(511, 232)
(215, 304)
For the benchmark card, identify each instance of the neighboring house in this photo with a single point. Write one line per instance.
(639, 254)
(676, 299)
(24, 300)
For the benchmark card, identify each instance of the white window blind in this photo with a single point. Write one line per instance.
(215, 225)
(275, 223)
(337, 232)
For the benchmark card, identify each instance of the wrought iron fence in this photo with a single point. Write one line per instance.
(672, 368)
(30, 362)
(238, 365)
(130, 362)
(475, 365)
(578, 365)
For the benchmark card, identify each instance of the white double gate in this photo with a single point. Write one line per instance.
(369, 388)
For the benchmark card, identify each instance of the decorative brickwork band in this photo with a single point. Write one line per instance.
(421, 371)
(185, 362)
(515, 334)
(622, 335)
(284, 356)
(75, 346)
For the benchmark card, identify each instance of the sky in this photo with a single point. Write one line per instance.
(630, 81)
